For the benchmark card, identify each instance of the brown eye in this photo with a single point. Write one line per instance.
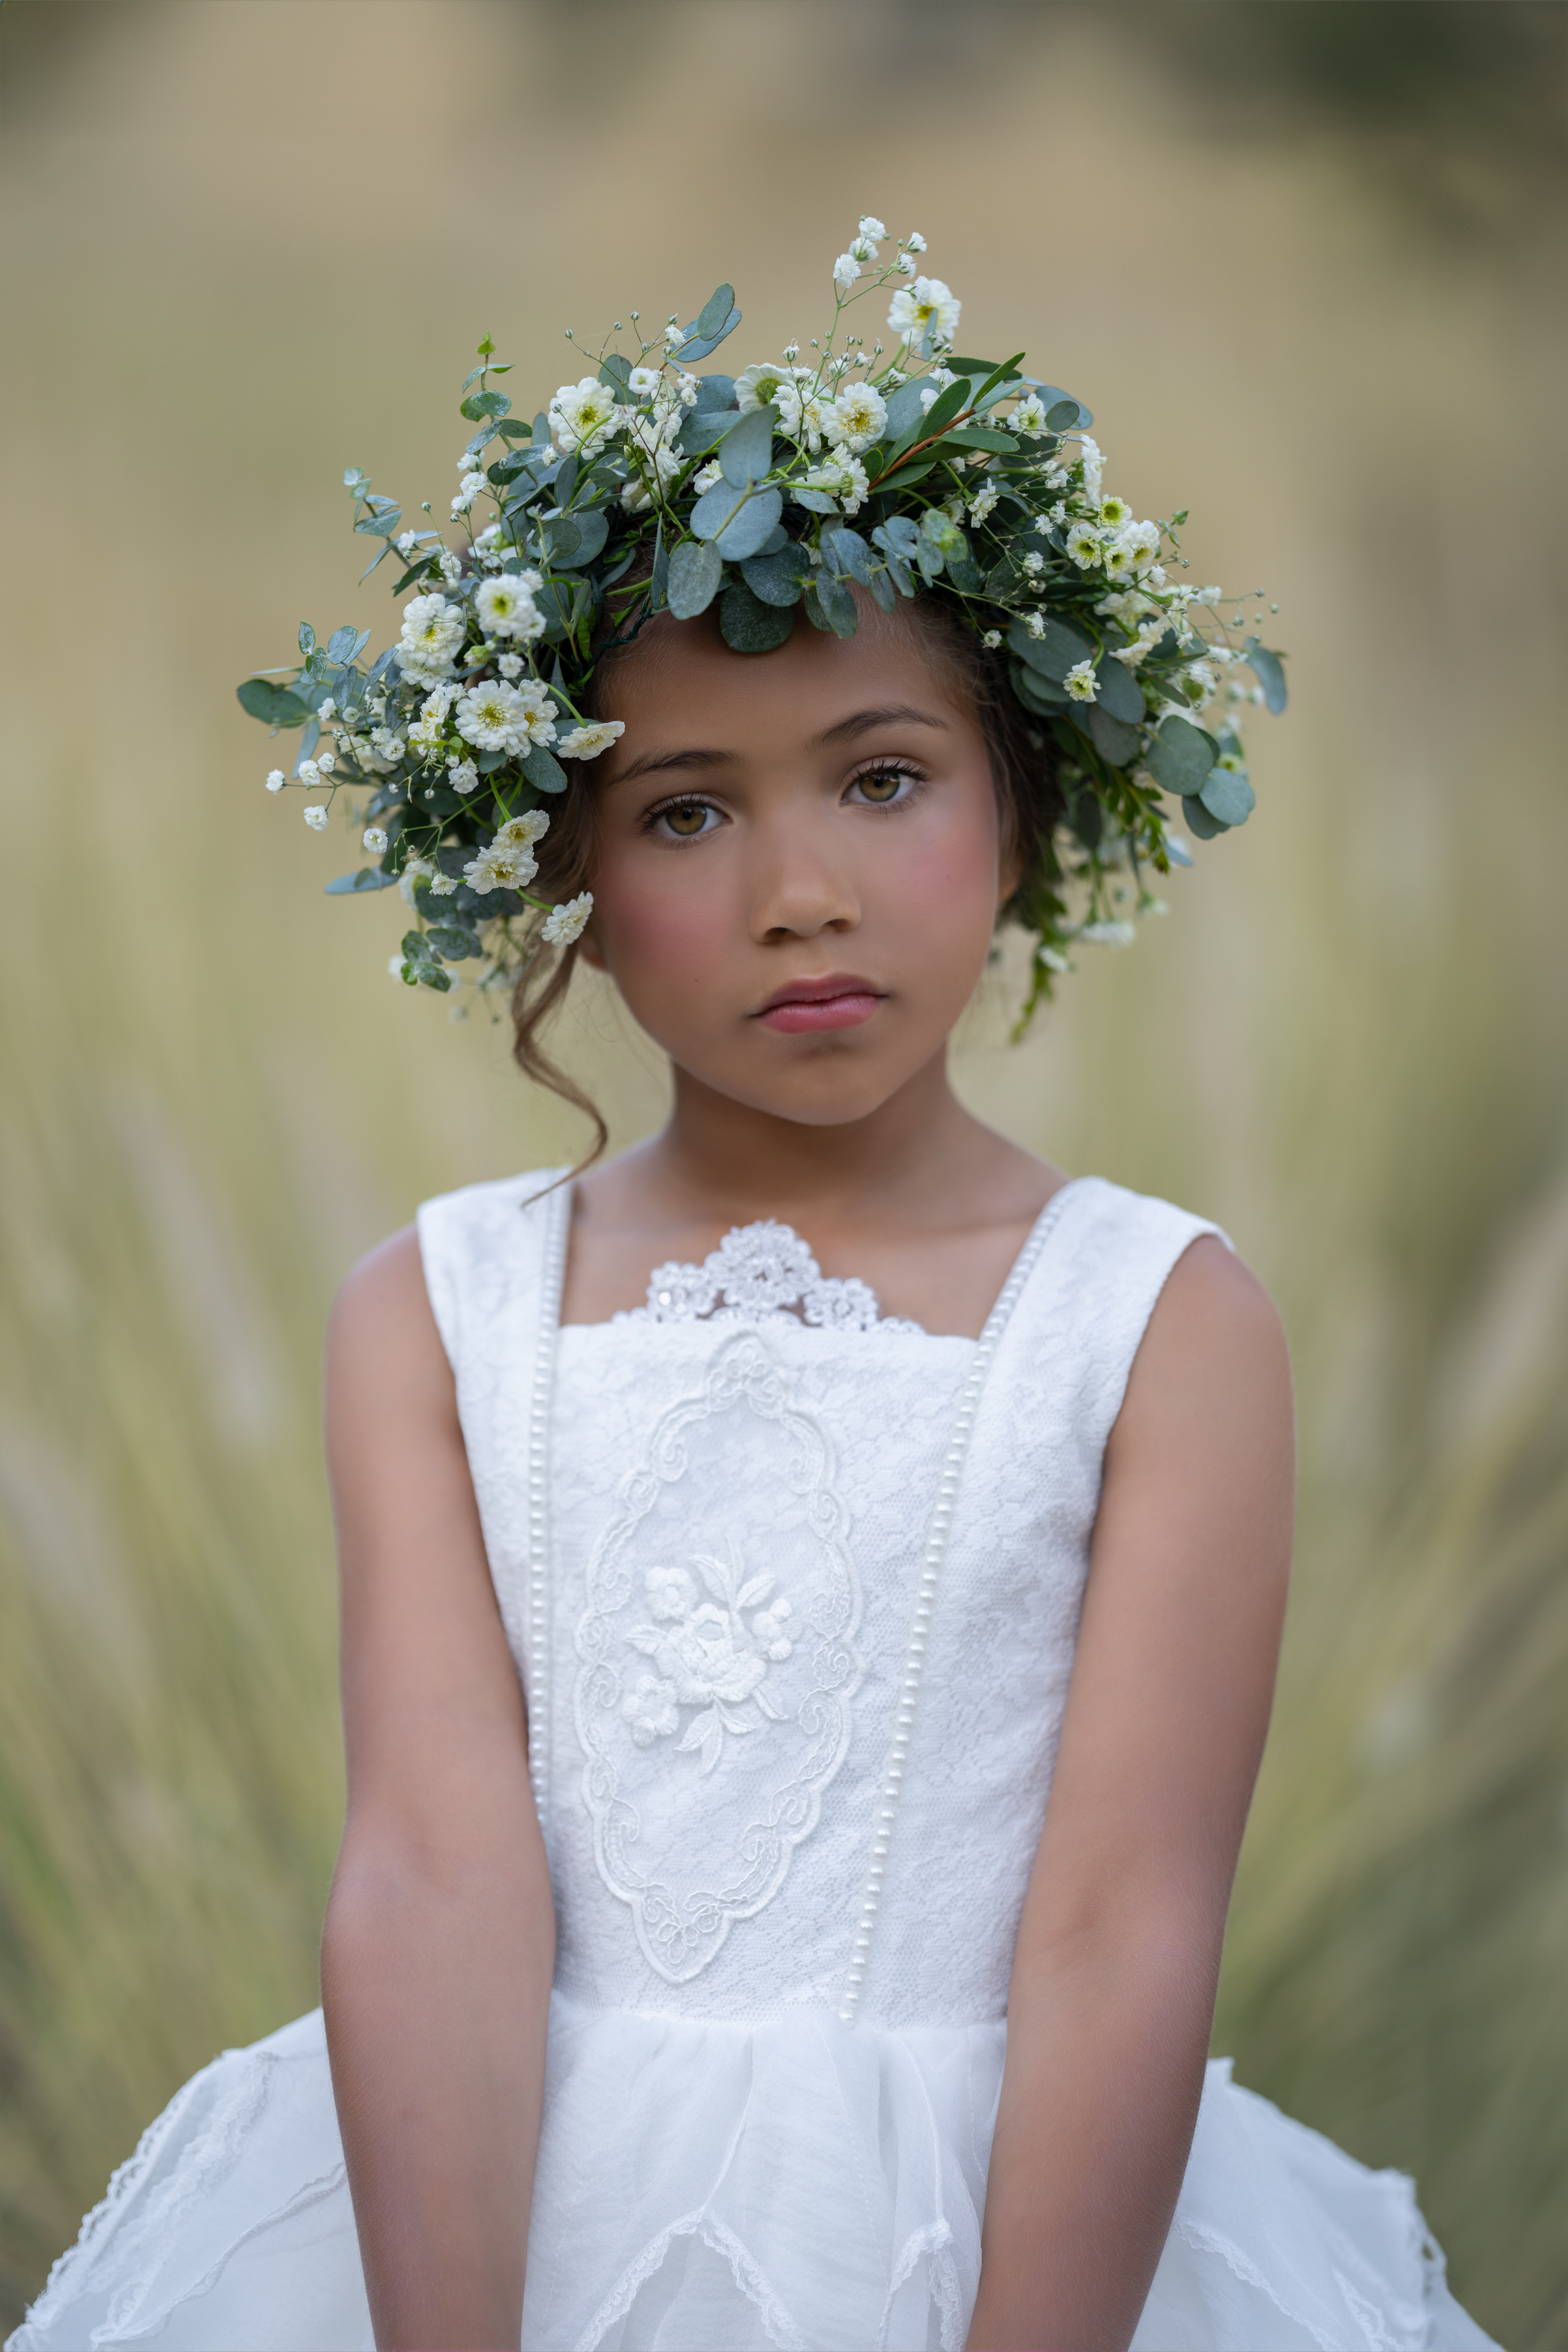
(881, 783)
(686, 818)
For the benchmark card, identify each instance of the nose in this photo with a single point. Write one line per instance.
(801, 885)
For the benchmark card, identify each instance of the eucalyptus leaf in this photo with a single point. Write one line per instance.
(899, 534)
(1226, 796)
(1051, 395)
(1055, 651)
(776, 541)
(695, 571)
(981, 436)
(485, 403)
(1035, 691)
(1181, 755)
(1118, 691)
(752, 527)
(617, 370)
(1267, 670)
(307, 639)
(1111, 737)
(751, 625)
(1061, 416)
(777, 579)
(814, 501)
(883, 587)
(369, 877)
(846, 552)
(718, 317)
(542, 768)
(830, 606)
(904, 410)
(746, 452)
(1200, 821)
(590, 529)
(275, 706)
(342, 643)
(448, 941)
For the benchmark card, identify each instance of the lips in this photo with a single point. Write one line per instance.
(838, 1000)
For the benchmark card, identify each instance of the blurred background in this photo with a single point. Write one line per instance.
(1303, 259)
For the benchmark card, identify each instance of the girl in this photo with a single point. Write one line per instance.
(811, 1590)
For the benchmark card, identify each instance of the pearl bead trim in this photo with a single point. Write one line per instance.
(552, 1275)
(937, 1532)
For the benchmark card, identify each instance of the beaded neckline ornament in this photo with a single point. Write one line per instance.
(648, 487)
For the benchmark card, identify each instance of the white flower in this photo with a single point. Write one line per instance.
(505, 606)
(645, 382)
(450, 567)
(1079, 682)
(1035, 624)
(493, 716)
(325, 762)
(509, 665)
(1117, 560)
(1093, 466)
(1029, 416)
(845, 270)
(326, 710)
(315, 817)
(1199, 674)
(375, 840)
(587, 742)
(1148, 634)
(759, 384)
(432, 632)
(418, 870)
(770, 1628)
(1114, 512)
(651, 1709)
(862, 249)
(928, 307)
(706, 476)
(468, 490)
(523, 832)
(915, 242)
(1210, 595)
(387, 746)
(1142, 542)
(674, 336)
(1033, 563)
(443, 885)
(309, 772)
(275, 780)
(395, 965)
(844, 478)
(857, 418)
(461, 775)
(991, 639)
(984, 499)
(905, 265)
(508, 862)
(1083, 545)
(564, 923)
(406, 543)
(1109, 935)
(583, 414)
(871, 226)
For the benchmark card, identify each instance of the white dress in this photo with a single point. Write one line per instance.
(794, 1592)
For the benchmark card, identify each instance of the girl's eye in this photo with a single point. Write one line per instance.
(881, 785)
(684, 819)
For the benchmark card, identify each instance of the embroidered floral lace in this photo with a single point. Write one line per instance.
(758, 1271)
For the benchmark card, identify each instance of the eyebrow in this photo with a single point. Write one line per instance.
(844, 731)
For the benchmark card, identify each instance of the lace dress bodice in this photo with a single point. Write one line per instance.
(794, 1599)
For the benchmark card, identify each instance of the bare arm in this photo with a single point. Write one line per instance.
(1112, 1992)
(440, 1934)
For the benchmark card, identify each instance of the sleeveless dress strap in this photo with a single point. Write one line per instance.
(494, 1258)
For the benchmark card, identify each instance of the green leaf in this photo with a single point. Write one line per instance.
(814, 501)
(828, 606)
(1267, 670)
(695, 571)
(846, 552)
(1119, 690)
(718, 317)
(572, 540)
(415, 572)
(884, 588)
(777, 579)
(947, 405)
(356, 480)
(307, 639)
(1056, 651)
(658, 579)
(746, 452)
(617, 370)
(1226, 796)
(1061, 416)
(966, 576)
(981, 436)
(1035, 691)
(1200, 821)
(485, 403)
(904, 410)
(542, 768)
(1053, 396)
(275, 706)
(900, 535)
(1111, 739)
(1181, 755)
(343, 643)
(751, 625)
(369, 877)
(449, 940)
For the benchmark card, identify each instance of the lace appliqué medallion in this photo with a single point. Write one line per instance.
(757, 1272)
(718, 1660)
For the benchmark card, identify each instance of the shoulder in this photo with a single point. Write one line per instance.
(382, 1327)
(1213, 1368)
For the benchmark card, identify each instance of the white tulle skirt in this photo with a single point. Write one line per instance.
(719, 2188)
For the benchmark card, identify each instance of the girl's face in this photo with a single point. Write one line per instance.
(796, 872)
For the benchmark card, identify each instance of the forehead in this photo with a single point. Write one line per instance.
(678, 671)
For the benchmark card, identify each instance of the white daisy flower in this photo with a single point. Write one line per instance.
(499, 867)
(523, 832)
(583, 414)
(315, 817)
(926, 306)
(432, 632)
(760, 383)
(1083, 545)
(857, 418)
(1093, 466)
(587, 742)
(1114, 512)
(1142, 542)
(844, 478)
(1079, 682)
(1029, 416)
(275, 780)
(566, 923)
(494, 717)
(505, 606)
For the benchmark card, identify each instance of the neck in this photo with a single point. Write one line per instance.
(718, 1159)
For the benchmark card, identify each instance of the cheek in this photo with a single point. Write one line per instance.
(657, 921)
(943, 873)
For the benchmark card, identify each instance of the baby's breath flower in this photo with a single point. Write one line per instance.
(326, 710)
(310, 773)
(509, 665)
(462, 776)
(587, 742)
(1110, 935)
(872, 227)
(1029, 415)
(645, 382)
(275, 780)
(706, 476)
(991, 639)
(1033, 563)
(315, 817)
(468, 491)
(375, 840)
(1079, 682)
(984, 499)
(325, 762)
(845, 270)
(914, 242)
(566, 923)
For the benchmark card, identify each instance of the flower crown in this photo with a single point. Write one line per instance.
(646, 489)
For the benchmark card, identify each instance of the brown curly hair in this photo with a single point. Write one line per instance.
(1028, 799)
